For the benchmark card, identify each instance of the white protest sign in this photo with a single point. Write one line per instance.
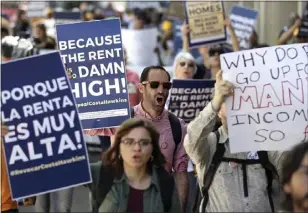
(140, 46)
(36, 8)
(269, 109)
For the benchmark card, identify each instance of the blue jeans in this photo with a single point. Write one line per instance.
(62, 201)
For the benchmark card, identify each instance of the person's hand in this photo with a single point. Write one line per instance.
(29, 201)
(223, 89)
(69, 74)
(4, 129)
(185, 30)
(298, 22)
(227, 22)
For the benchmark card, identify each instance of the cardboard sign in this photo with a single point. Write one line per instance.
(93, 53)
(269, 108)
(243, 21)
(140, 46)
(189, 97)
(206, 21)
(35, 9)
(44, 148)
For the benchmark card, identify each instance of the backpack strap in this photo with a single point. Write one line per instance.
(166, 184)
(271, 173)
(132, 112)
(176, 129)
(210, 173)
(102, 187)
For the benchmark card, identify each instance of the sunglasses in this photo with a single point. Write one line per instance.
(213, 52)
(155, 84)
(183, 63)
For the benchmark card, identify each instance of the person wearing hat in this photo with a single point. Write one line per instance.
(166, 43)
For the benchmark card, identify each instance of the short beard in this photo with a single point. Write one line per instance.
(157, 109)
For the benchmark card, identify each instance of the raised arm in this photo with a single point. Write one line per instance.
(235, 43)
(198, 143)
(185, 32)
(286, 36)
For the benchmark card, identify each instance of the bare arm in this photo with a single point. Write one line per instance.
(185, 31)
(183, 188)
(286, 36)
(235, 43)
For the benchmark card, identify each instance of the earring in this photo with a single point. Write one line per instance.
(120, 156)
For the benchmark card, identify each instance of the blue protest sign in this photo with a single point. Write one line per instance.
(243, 21)
(44, 148)
(93, 53)
(189, 97)
(67, 17)
(5, 16)
(206, 22)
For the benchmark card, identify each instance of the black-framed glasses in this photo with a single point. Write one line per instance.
(189, 64)
(213, 51)
(130, 142)
(155, 84)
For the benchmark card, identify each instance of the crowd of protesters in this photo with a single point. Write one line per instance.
(154, 161)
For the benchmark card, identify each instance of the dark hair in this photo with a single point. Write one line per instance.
(291, 163)
(111, 156)
(4, 32)
(146, 71)
(41, 26)
(20, 12)
(141, 14)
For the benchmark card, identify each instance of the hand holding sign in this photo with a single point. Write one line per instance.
(268, 110)
(228, 22)
(4, 130)
(185, 30)
(223, 89)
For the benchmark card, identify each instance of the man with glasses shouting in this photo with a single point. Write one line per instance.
(154, 87)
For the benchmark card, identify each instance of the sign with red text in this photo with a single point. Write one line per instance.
(269, 108)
